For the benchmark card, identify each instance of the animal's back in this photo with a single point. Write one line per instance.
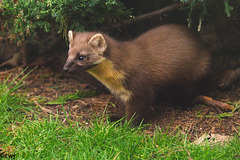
(164, 57)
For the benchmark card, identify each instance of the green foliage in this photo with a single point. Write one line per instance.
(228, 7)
(25, 19)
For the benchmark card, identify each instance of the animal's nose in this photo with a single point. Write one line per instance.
(66, 69)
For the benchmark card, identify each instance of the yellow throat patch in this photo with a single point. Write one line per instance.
(111, 78)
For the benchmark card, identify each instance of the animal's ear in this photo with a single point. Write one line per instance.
(98, 42)
(70, 38)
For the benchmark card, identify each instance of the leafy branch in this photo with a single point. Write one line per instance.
(24, 20)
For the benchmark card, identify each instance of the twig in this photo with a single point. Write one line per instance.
(211, 102)
(188, 154)
(196, 123)
(117, 155)
(231, 122)
(43, 108)
(143, 17)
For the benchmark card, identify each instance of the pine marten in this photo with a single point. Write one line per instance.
(167, 60)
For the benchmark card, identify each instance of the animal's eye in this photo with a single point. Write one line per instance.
(81, 58)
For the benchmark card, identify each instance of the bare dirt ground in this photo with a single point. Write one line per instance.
(50, 83)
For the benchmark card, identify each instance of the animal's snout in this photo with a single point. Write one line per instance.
(66, 69)
(68, 64)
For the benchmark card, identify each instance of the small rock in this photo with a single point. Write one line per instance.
(212, 139)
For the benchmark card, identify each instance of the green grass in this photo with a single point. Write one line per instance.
(50, 139)
(12, 104)
(26, 137)
(14, 108)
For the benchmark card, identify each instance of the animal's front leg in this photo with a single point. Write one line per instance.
(135, 111)
(121, 111)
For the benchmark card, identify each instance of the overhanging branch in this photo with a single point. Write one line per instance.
(144, 17)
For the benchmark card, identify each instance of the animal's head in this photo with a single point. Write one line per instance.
(85, 50)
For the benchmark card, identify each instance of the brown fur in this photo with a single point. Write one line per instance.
(165, 60)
